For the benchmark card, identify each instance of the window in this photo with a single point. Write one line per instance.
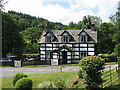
(65, 38)
(49, 38)
(47, 54)
(83, 54)
(83, 37)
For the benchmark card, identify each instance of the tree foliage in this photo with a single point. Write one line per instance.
(88, 20)
(11, 39)
(117, 49)
(30, 37)
(105, 38)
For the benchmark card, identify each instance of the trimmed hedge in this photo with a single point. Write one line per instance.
(109, 57)
(18, 76)
(24, 83)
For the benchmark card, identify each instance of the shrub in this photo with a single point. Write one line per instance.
(17, 77)
(59, 83)
(46, 84)
(24, 83)
(109, 57)
(81, 73)
(92, 66)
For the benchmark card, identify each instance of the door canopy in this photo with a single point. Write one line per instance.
(63, 47)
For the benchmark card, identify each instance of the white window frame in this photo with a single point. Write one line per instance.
(65, 38)
(49, 38)
(83, 37)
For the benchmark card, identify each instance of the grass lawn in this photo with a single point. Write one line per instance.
(69, 77)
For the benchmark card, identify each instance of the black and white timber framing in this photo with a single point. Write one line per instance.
(67, 46)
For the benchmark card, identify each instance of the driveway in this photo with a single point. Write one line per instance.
(10, 71)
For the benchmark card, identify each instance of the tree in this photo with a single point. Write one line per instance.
(11, 39)
(2, 3)
(115, 20)
(71, 25)
(105, 35)
(30, 37)
(88, 20)
(117, 49)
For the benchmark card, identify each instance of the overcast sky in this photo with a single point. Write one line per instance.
(64, 11)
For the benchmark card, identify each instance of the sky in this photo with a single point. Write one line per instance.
(64, 11)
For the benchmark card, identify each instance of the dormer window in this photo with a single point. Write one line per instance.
(49, 38)
(65, 38)
(83, 37)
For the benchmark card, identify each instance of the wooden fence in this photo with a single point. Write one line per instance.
(110, 77)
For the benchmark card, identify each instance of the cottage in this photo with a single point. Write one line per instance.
(67, 46)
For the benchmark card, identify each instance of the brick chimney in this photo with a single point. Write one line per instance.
(46, 28)
(92, 26)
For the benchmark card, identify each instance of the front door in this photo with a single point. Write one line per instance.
(64, 57)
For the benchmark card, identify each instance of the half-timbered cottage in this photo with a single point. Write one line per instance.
(67, 46)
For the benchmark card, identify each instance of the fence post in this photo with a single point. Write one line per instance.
(116, 69)
(110, 75)
(60, 68)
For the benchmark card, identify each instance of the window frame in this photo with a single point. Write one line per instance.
(65, 38)
(83, 37)
(48, 38)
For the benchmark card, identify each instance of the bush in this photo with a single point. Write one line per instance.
(81, 73)
(109, 57)
(46, 84)
(92, 66)
(24, 83)
(59, 83)
(17, 77)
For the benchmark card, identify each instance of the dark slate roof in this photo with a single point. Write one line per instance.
(73, 33)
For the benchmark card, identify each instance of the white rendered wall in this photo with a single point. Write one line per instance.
(91, 53)
(90, 49)
(83, 45)
(83, 49)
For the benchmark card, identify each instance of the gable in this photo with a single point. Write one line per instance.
(54, 38)
(67, 33)
(90, 38)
